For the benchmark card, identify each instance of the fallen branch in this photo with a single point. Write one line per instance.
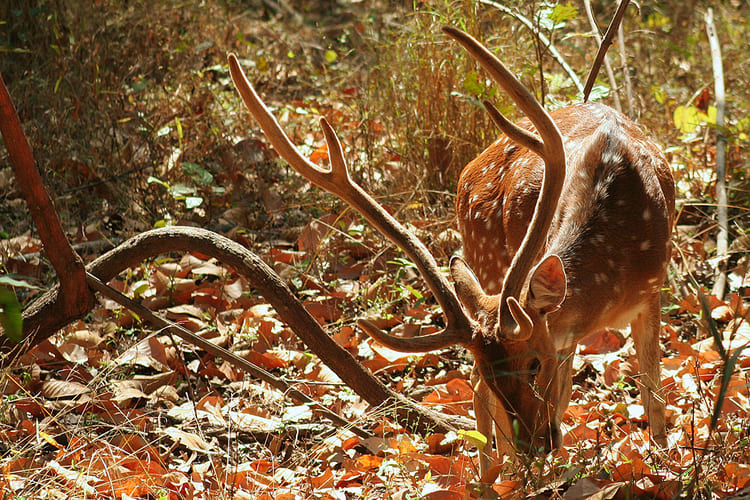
(75, 297)
(268, 284)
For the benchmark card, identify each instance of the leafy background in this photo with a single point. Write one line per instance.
(135, 124)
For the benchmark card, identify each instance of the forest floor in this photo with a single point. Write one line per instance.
(110, 408)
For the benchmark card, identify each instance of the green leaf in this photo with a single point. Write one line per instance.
(262, 64)
(197, 173)
(416, 293)
(472, 85)
(10, 316)
(155, 180)
(16, 281)
(711, 117)
(331, 56)
(181, 190)
(163, 131)
(688, 118)
(659, 94)
(598, 92)
(178, 125)
(476, 438)
(193, 201)
(561, 13)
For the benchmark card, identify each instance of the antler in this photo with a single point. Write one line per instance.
(513, 321)
(336, 180)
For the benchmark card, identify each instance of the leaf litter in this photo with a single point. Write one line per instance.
(98, 412)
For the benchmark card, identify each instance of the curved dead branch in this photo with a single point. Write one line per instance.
(268, 284)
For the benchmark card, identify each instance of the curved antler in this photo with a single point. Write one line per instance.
(337, 181)
(550, 148)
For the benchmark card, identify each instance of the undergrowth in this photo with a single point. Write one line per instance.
(135, 123)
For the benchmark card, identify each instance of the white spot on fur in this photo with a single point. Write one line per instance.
(645, 245)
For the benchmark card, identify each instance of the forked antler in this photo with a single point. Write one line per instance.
(513, 321)
(337, 181)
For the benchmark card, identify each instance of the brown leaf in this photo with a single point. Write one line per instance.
(191, 441)
(325, 480)
(54, 389)
(266, 360)
(34, 406)
(602, 342)
(85, 338)
(125, 391)
(43, 354)
(438, 444)
(313, 233)
(443, 495)
(591, 489)
(148, 352)
(233, 290)
(210, 269)
(738, 475)
(325, 309)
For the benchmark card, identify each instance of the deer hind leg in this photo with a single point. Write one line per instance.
(645, 332)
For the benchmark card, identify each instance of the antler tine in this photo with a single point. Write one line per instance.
(422, 343)
(326, 179)
(552, 151)
(337, 181)
(516, 133)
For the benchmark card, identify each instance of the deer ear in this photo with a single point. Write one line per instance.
(468, 289)
(548, 285)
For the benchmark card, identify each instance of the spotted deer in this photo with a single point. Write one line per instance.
(566, 224)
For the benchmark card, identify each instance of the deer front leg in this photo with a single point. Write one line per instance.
(483, 410)
(565, 374)
(645, 332)
(492, 422)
